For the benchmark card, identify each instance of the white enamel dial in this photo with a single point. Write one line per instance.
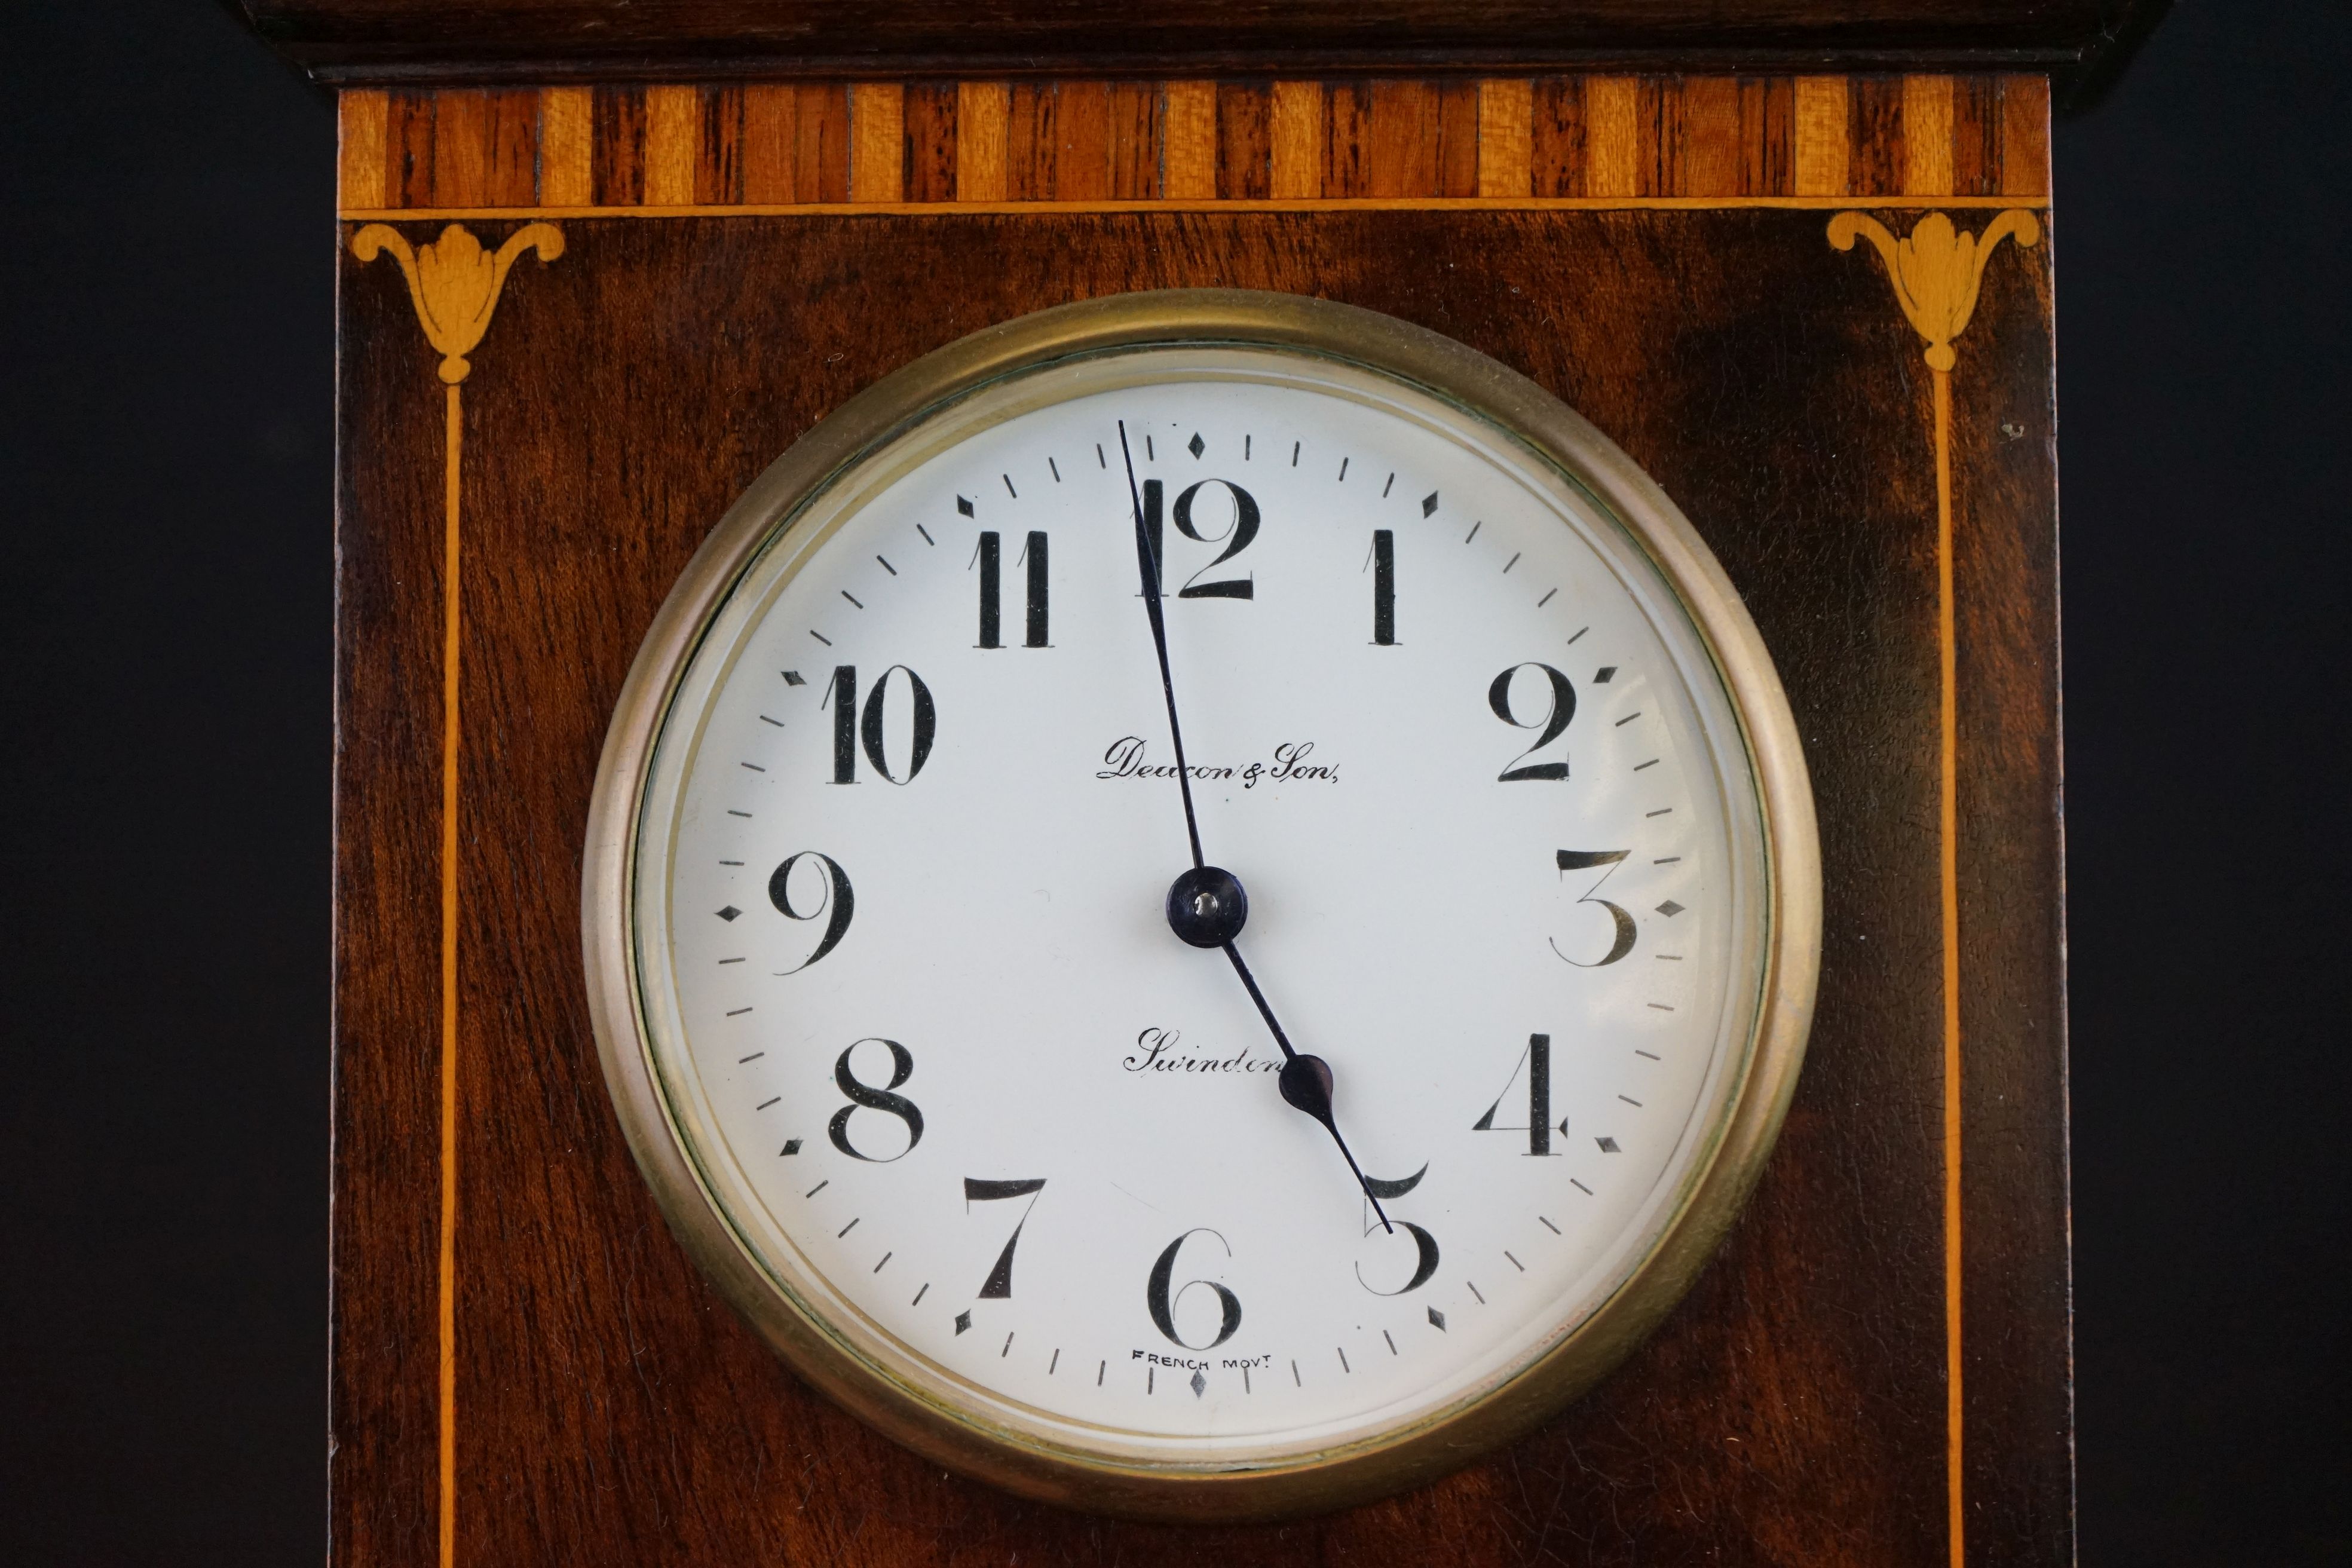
(912, 996)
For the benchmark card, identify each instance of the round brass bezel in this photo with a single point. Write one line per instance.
(1714, 1188)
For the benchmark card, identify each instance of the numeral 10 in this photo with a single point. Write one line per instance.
(849, 729)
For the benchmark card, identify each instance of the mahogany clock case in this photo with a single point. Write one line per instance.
(631, 388)
(129, 1456)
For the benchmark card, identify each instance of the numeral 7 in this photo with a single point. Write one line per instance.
(978, 1190)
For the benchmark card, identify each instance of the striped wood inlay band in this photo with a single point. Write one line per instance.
(1605, 140)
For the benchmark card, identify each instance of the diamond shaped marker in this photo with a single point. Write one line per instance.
(1200, 1383)
(1601, 675)
(1609, 1145)
(1670, 909)
(964, 506)
(793, 677)
(792, 1146)
(1429, 503)
(730, 913)
(1196, 446)
(963, 1320)
(1437, 1318)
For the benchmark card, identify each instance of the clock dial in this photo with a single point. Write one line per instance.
(916, 1004)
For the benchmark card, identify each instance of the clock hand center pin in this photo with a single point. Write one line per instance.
(1207, 905)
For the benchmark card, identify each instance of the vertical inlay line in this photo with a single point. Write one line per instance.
(453, 452)
(453, 286)
(1935, 272)
(1948, 651)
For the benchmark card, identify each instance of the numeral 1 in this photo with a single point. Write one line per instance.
(1383, 588)
(1155, 528)
(844, 723)
(991, 591)
(1536, 1059)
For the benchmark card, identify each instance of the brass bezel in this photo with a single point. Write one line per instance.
(1715, 1189)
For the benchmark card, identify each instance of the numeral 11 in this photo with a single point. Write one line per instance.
(991, 590)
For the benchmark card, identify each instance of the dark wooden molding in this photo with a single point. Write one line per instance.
(420, 42)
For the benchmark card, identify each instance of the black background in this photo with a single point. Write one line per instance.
(166, 248)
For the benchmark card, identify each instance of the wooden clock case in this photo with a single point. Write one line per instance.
(600, 266)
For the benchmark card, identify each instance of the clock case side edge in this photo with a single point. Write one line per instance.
(1715, 1188)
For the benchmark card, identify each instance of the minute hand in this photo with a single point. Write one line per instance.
(1207, 905)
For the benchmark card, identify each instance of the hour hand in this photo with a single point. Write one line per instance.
(1305, 1082)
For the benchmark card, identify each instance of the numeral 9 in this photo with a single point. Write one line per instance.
(836, 899)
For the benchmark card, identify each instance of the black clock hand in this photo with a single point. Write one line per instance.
(1305, 1081)
(1150, 568)
(1207, 905)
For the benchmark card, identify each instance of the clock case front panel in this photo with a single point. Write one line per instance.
(605, 1407)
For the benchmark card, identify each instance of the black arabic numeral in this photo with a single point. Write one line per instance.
(998, 1287)
(863, 1097)
(990, 559)
(1383, 564)
(1536, 1059)
(1424, 1244)
(1555, 720)
(1236, 540)
(837, 902)
(843, 698)
(1162, 1302)
(1034, 554)
(850, 730)
(1622, 941)
(990, 595)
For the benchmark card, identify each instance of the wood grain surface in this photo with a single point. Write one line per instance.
(1613, 139)
(360, 41)
(610, 1410)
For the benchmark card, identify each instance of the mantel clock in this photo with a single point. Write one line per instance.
(1118, 787)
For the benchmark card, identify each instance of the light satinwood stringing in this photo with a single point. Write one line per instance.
(1604, 140)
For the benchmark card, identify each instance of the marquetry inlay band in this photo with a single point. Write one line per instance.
(1571, 139)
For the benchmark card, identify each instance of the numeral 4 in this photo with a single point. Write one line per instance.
(1537, 1062)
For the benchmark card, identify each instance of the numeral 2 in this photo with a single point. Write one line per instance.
(1032, 554)
(1555, 720)
(1536, 1059)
